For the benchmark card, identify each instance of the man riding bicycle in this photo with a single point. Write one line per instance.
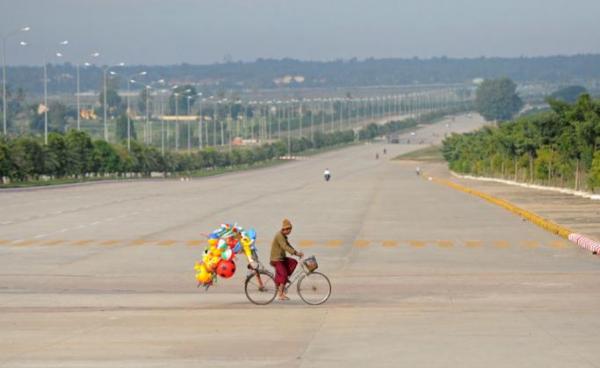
(284, 266)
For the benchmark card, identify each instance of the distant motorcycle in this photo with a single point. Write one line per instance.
(327, 174)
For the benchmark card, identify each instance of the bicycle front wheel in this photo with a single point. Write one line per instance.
(260, 287)
(314, 288)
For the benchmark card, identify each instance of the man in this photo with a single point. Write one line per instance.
(327, 174)
(284, 266)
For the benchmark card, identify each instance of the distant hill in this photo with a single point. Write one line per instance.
(289, 73)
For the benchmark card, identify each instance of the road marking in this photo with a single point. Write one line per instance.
(445, 243)
(473, 243)
(4, 241)
(63, 230)
(110, 242)
(333, 243)
(6, 222)
(40, 236)
(389, 243)
(502, 244)
(54, 242)
(306, 243)
(167, 243)
(139, 241)
(25, 242)
(82, 242)
(361, 243)
(558, 244)
(531, 243)
(95, 223)
(417, 243)
(194, 243)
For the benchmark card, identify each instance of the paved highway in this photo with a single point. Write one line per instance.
(423, 276)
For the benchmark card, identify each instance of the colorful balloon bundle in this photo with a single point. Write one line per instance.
(223, 245)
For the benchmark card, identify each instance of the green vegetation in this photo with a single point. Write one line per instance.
(497, 99)
(75, 156)
(560, 147)
(428, 154)
(568, 94)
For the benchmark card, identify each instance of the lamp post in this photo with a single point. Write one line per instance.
(94, 55)
(58, 54)
(4, 38)
(189, 126)
(129, 81)
(104, 102)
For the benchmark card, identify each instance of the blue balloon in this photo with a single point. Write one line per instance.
(251, 234)
(237, 248)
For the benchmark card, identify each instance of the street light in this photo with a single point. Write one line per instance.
(105, 70)
(94, 55)
(57, 54)
(4, 38)
(129, 81)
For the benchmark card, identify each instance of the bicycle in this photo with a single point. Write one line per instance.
(313, 287)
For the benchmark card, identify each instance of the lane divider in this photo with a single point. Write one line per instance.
(585, 242)
(562, 231)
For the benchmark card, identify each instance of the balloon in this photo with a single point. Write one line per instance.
(231, 242)
(251, 233)
(216, 252)
(226, 255)
(237, 248)
(213, 242)
(222, 245)
(204, 277)
(226, 269)
(212, 263)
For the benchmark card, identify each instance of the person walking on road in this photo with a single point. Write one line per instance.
(284, 266)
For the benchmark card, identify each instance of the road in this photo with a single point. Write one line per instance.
(102, 275)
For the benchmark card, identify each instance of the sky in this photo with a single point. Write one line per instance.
(158, 32)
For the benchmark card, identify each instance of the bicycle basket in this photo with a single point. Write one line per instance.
(311, 263)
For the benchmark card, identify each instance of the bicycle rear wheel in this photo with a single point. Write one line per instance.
(260, 287)
(314, 288)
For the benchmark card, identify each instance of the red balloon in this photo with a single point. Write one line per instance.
(231, 242)
(226, 269)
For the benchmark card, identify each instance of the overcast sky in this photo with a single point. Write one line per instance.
(205, 31)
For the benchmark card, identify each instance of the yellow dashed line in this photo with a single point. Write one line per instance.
(25, 243)
(139, 241)
(194, 243)
(167, 243)
(389, 243)
(501, 244)
(361, 243)
(110, 242)
(82, 242)
(559, 244)
(306, 243)
(473, 243)
(333, 243)
(445, 243)
(531, 243)
(417, 243)
(54, 242)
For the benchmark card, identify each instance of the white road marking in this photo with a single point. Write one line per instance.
(40, 236)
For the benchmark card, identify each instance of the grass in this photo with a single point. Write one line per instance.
(427, 154)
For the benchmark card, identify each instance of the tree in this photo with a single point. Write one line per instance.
(568, 94)
(57, 117)
(122, 128)
(79, 152)
(497, 99)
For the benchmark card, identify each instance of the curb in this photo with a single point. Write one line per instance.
(581, 240)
